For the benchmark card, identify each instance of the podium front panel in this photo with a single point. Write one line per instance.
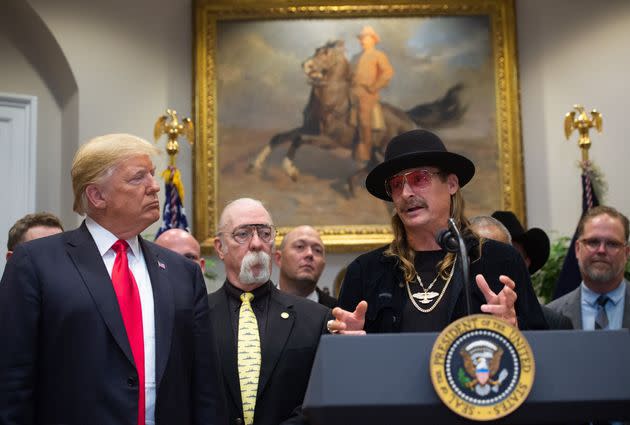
(384, 379)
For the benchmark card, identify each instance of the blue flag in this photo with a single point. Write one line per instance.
(174, 214)
(570, 277)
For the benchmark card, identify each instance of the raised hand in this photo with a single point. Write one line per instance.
(501, 304)
(348, 323)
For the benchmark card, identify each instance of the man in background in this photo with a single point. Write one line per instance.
(266, 338)
(301, 258)
(32, 226)
(491, 228)
(602, 301)
(371, 72)
(183, 243)
(99, 328)
(533, 244)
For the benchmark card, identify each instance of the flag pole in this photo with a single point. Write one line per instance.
(174, 215)
(579, 120)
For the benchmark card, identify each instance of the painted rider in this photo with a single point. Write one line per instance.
(371, 72)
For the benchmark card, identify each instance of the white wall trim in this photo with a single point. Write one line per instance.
(26, 137)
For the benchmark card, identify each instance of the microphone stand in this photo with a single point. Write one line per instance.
(465, 261)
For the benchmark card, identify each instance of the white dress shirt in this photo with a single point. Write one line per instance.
(104, 240)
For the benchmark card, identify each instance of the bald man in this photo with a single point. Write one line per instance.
(266, 372)
(183, 243)
(301, 258)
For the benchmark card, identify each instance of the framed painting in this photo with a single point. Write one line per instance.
(268, 125)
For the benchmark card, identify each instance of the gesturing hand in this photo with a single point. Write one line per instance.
(348, 323)
(501, 304)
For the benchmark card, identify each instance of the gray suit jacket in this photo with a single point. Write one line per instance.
(569, 305)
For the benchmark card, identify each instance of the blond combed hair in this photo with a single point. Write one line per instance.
(96, 159)
(405, 254)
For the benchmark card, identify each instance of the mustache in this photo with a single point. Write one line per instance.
(414, 202)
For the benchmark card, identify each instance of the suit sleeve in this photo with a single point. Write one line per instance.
(209, 401)
(20, 299)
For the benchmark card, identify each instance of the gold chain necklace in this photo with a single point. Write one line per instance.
(426, 296)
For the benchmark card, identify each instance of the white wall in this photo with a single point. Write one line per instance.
(133, 59)
(572, 51)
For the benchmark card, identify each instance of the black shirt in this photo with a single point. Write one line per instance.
(414, 320)
(260, 305)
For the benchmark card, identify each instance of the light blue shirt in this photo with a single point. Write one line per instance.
(614, 307)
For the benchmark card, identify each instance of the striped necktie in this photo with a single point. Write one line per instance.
(248, 356)
(601, 320)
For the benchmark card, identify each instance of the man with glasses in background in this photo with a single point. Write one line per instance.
(266, 338)
(411, 285)
(602, 301)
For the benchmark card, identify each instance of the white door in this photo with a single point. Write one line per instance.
(18, 141)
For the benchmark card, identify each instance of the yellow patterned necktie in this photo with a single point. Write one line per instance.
(248, 356)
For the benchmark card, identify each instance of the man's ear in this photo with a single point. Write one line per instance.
(453, 183)
(277, 257)
(217, 248)
(94, 196)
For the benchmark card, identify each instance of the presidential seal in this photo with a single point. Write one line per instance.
(481, 367)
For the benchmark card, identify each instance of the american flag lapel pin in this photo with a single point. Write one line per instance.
(161, 265)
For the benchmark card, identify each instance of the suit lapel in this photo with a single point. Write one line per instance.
(162, 306)
(278, 332)
(574, 307)
(88, 261)
(625, 321)
(219, 313)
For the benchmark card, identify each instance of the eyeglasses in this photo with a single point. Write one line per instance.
(244, 233)
(593, 244)
(416, 179)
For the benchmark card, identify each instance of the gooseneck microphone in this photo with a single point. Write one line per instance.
(451, 240)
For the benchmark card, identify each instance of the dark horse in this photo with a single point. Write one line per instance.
(327, 115)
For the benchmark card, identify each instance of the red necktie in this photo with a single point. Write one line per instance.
(131, 311)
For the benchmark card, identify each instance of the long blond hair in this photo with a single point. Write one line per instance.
(405, 254)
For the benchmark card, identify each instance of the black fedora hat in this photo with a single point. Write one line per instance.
(413, 149)
(535, 241)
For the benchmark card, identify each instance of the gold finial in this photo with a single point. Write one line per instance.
(583, 124)
(173, 130)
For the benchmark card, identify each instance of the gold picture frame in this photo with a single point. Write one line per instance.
(498, 155)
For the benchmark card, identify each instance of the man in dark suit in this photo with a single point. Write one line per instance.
(98, 326)
(602, 301)
(266, 360)
(301, 258)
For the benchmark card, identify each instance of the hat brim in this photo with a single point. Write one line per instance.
(537, 246)
(449, 162)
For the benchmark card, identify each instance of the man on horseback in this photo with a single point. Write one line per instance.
(371, 72)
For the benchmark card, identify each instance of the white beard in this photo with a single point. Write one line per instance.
(252, 259)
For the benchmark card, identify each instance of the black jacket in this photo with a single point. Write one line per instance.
(294, 327)
(379, 280)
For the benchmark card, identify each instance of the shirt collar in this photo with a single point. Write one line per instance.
(104, 239)
(259, 293)
(313, 296)
(616, 295)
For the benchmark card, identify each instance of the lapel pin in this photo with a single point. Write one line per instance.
(284, 315)
(161, 265)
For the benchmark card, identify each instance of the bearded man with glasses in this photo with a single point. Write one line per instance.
(411, 285)
(602, 301)
(266, 338)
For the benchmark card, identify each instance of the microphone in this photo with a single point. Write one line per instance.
(451, 240)
(447, 240)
